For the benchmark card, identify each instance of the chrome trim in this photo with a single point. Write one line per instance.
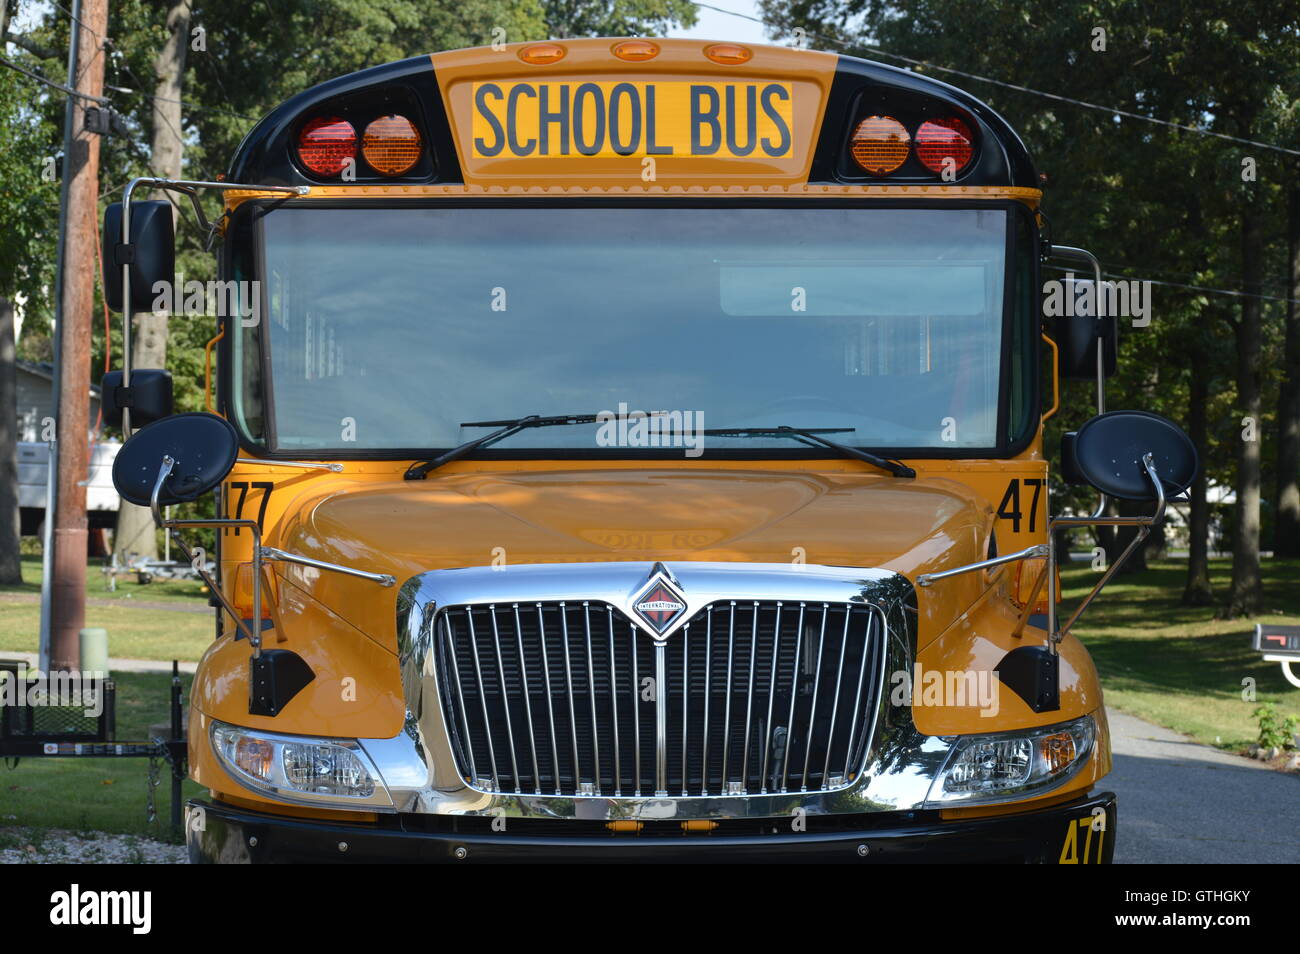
(334, 467)
(418, 765)
(273, 553)
(1038, 550)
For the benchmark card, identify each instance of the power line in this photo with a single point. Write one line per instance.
(846, 47)
(66, 90)
(1199, 288)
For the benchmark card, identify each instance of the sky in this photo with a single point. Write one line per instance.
(712, 25)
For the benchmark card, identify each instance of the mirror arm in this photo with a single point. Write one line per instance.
(1029, 553)
(172, 527)
(271, 553)
(1144, 525)
(333, 467)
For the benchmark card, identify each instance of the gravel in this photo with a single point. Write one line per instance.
(53, 846)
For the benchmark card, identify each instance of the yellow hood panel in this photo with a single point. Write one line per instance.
(478, 519)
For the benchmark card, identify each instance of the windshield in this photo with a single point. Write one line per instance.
(387, 329)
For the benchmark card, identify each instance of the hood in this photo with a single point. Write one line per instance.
(559, 516)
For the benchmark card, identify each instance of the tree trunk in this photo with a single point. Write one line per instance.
(11, 570)
(135, 529)
(1198, 591)
(1286, 526)
(1137, 561)
(1244, 599)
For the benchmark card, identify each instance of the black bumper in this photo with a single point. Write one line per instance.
(1068, 833)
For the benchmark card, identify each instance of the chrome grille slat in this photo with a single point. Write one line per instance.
(501, 670)
(817, 677)
(613, 702)
(835, 705)
(528, 704)
(726, 721)
(686, 705)
(568, 683)
(482, 698)
(749, 695)
(636, 713)
(778, 701)
(550, 701)
(591, 697)
(469, 748)
(785, 750)
(771, 695)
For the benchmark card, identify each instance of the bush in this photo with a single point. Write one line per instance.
(1276, 732)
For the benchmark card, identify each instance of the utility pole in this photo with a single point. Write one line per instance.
(76, 300)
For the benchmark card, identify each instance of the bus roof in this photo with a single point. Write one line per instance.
(711, 118)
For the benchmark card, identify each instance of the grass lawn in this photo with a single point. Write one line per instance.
(134, 632)
(1177, 665)
(98, 794)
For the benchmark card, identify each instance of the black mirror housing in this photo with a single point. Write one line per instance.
(202, 447)
(151, 253)
(1076, 338)
(1107, 452)
(149, 397)
(1070, 472)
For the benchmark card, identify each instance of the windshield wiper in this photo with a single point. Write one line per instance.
(810, 436)
(420, 469)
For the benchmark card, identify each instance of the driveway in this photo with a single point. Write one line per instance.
(1184, 803)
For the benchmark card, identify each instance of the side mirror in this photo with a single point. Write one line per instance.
(1077, 331)
(1108, 452)
(201, 446)
(151, 253)
(149, 397)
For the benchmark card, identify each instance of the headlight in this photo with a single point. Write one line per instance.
(1008, 766)
(301, 769)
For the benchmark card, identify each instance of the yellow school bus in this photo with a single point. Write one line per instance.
(632, 449)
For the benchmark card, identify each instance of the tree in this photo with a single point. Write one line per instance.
(1156, 202)
(567, 18)
(1286, 526)
(29, 195)
(135, 528)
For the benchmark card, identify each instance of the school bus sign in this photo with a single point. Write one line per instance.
(632, 119)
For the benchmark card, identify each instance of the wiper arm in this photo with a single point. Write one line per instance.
(420, 469)
(811, 436)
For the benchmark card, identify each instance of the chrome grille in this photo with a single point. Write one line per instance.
(571, 698)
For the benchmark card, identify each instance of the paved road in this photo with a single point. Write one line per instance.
(1184, 803)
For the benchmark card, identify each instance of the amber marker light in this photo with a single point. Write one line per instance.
(728, 54)
(1057, 750)
(636, 51)
(699, 824)
(243, 595)
(625, 826)
(391, 145)
(540, 54)
(880, 144)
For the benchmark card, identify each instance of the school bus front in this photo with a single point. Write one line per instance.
(604, 408)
